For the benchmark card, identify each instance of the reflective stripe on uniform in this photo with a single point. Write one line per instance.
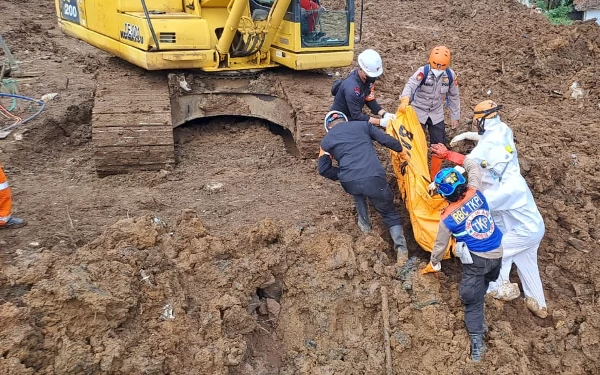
(4, 185)
(4, 219)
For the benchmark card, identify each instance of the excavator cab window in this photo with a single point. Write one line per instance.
(325, 23)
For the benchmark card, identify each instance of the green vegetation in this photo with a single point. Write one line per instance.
(558, 12)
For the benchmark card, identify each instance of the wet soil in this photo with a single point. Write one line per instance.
(242, 260)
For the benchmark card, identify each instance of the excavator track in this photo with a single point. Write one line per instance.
(135, 112)
(131, 123)
(297, 101)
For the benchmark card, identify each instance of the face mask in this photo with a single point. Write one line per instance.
(437, 72)
(370, 80)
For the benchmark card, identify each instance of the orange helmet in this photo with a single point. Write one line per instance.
(439, 58)
(486, 109)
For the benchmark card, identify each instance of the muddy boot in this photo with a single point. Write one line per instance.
(362, 209)
(14, 223)
(534, 307)
(506, 292)
(399, 244)
(477, 347)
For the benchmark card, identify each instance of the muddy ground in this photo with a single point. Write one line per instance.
(159, 272)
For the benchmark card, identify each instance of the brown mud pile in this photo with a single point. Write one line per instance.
(222, 290)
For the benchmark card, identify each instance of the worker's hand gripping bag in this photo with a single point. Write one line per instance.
(413, 180)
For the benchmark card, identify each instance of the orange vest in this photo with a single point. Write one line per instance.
(5, 199)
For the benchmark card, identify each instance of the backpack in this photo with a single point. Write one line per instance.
(426, 69)
(335, 87)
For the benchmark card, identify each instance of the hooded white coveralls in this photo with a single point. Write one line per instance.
(513, 208)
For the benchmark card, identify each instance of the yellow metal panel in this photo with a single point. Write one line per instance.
(317, 60)
(160, 5)
(206, 59)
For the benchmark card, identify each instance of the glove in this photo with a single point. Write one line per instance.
(442, 152)
(403, 155)
(472, 136)
(431, 268)
(439, 150)
(388, 115)
(403, 104)
(432, 189)
(384, 122)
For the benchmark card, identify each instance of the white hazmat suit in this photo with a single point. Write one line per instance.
(514, 211)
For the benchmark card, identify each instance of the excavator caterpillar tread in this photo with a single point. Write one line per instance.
(131, 123)
(297, 101)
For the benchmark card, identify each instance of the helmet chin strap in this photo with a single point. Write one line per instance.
(481, 126)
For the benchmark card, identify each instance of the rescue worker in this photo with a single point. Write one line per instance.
(6, 220)
(468, 218)
(360, 172)
(358, 89)
(310, 10)
(427, 90)
(512, 204)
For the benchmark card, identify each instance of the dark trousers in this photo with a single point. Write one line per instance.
(475, 280)
(437, 132)
(379, 193)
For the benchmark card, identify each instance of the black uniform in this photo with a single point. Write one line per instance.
(360, 172)
(352, 95)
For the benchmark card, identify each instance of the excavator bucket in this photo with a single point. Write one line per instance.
(413, 181)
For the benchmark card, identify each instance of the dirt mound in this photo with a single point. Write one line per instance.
(150, 298)
(222, 290)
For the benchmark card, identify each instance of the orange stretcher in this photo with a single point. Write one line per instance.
(413, 180)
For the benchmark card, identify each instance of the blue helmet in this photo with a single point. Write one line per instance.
(333, 115)
(447, 180)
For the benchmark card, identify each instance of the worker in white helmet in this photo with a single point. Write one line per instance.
(358, 89)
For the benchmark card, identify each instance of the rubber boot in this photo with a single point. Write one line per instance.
(362, 209)
(436, 166)
(14, 223)
(399, 243)
(477, 347)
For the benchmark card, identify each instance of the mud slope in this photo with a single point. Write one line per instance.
(171, 272)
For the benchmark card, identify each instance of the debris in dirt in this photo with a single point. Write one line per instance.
(406, 272)
(385, 312)
(145, 277)
(576, 91)
(214, 187)
(159, 222)
(578, 244)
(184, 85)
(310, 343)
(273, 307)
(574, 157)
(34, 244)
(167, 313)
(47, 97)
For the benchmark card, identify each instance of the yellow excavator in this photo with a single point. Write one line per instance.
(216, 53)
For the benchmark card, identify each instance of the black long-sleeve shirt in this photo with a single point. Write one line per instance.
(352, 95)
(351, 144)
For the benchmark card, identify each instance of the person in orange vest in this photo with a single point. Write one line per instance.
(7, 221)
(427, 90)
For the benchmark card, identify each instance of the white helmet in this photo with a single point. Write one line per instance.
(370, 62)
